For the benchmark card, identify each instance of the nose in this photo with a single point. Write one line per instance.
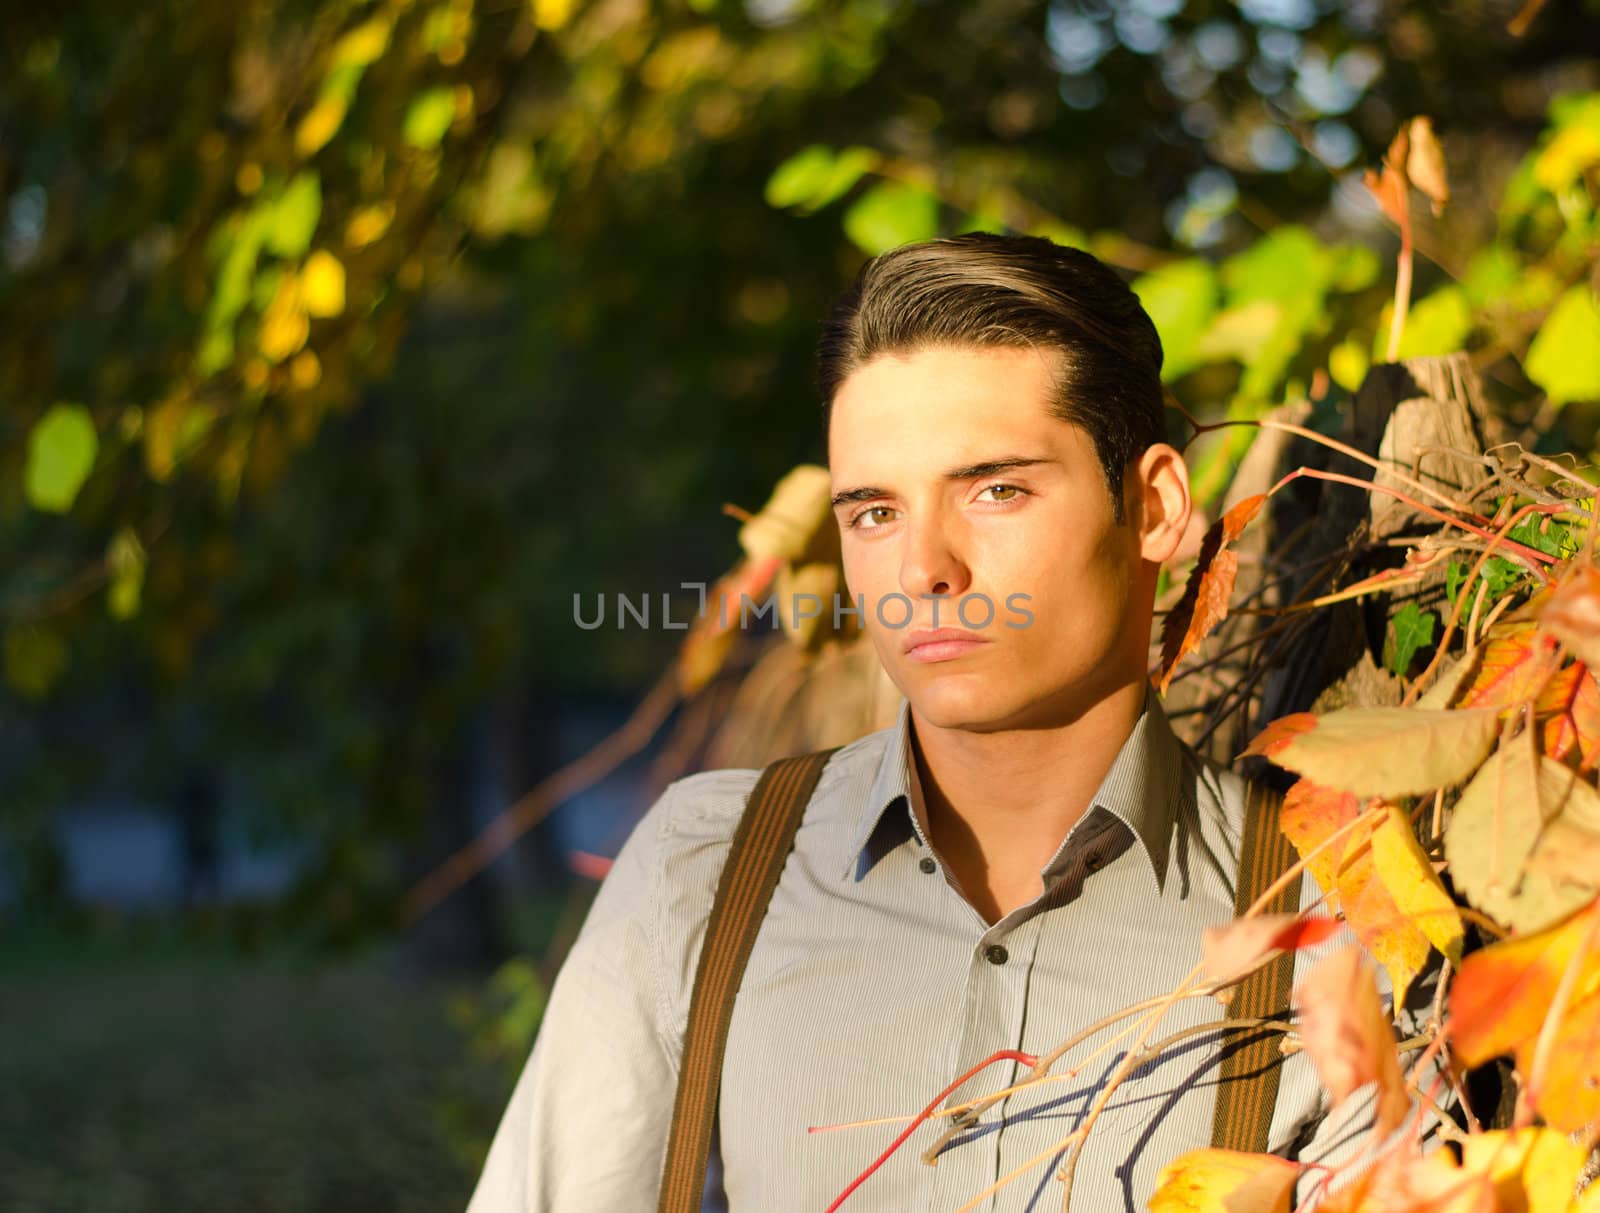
(931, 563)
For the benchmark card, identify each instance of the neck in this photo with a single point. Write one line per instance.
(997, 805)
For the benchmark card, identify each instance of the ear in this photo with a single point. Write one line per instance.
(1160, 483)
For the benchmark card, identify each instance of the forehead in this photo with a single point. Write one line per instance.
(949, 402)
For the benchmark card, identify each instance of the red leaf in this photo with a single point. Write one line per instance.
(1281, 732)
(1516, 661)
(1206, 596)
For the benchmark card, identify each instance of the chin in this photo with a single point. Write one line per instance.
(977, 705)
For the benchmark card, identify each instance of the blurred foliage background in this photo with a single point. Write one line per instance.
(342, 344)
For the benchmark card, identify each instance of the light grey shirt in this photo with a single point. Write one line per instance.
(874, 983)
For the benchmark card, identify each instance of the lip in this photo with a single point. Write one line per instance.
(942, 644)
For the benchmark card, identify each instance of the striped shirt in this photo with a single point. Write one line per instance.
(874, 983)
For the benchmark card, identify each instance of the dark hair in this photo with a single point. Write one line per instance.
(986, 290)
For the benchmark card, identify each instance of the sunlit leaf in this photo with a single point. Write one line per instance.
(284, 326)
(1496, 824)
(1564, 358)
(1436, 325)
(322, 284)
(1225, 1181)
(1570, 708)
(1501, 994)
(890, 214)
(817, 175)
(1341, 1022)
(293, 220)
(712, 634)
(1376, 876)
(1425, 163)
(1234, 951)
(61, 451)
(125, 559)
(1210, 586)
(1512, 665)
(1389, 752)
(1348, 363)
(429, 117)
(1180, 298)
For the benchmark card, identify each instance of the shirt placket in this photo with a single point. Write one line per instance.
(994, 1015)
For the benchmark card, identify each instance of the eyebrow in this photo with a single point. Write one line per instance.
(968, 471)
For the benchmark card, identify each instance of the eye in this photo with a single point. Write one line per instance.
(1004, 493)
(872, 516)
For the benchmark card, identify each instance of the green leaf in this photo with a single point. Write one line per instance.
(890, 214)
(1454, 574)
(1564, 358)
(1348, 364)
(1355, 267)
(125, 557)
(1181, 299)
(1410, 629)
(1491, 275)
(429, 117)
(816, 176)
(1435, 326)
(292, 220)
(35, 656)
(61, 451)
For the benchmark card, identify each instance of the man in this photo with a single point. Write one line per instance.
(1028, 850)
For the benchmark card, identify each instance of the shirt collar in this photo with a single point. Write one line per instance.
(1142, 789)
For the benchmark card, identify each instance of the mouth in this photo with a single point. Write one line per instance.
(942, 644)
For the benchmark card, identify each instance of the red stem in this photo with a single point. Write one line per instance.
(1027, 1059)
(1511, 546)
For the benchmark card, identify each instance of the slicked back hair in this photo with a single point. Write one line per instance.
(985, 290)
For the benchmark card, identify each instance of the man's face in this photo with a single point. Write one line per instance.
(953, 481)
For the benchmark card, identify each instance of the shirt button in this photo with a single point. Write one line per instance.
(1093, 862)
(995, 954)
(927, 864)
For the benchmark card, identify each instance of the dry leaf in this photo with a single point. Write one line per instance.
(1206, 596)
(1570, 708)
(1225, 1181)
(1572, 614)
(1232, 952)
(711, 636)
(1343, 1026)
(1497, 824)
(797, 513)
(1515, 662)
(1505, 1171)
(1389, 752)
(1425, 164)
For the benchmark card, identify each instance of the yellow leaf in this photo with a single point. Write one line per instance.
(1567, 156)
(1533, 1170)
(368, 224)
(1425, 164)
(1406, 872)
(284, 326)
(306, 370)
(551, 14)
(321, 123)
(322, 284)
(1225, 1181)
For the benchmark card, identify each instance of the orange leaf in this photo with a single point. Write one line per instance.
(1225, 1181)
(1389, 188)
(1531, 1170)
(1515, 662)
(1206, 596)
(1377, 878)
(1501, 994)
(1349, 1038)
(1571, 704)
(711, 637)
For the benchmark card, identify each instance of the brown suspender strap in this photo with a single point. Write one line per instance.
(1248, 1086)
(761, 846)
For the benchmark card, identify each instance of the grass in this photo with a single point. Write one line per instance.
(156, 1072)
